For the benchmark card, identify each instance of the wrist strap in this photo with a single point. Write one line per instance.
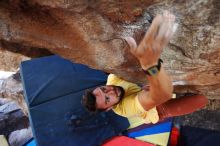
(154, 69)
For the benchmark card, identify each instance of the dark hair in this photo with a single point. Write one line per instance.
(89, 101)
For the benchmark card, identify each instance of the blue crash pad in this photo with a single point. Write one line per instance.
(53, 90)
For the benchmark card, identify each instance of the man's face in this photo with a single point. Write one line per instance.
(107, 96)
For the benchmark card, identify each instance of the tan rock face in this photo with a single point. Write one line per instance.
(10, 61)
(90, 32)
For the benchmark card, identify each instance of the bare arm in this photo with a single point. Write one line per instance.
(148, 52)
(160, 90)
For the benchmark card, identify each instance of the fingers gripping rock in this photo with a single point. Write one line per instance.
(157, 37)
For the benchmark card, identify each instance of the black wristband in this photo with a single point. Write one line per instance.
(154, 69)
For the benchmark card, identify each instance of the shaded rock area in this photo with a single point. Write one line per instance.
(13, 116)
(207, 118)
(91, 32)
(13, 123)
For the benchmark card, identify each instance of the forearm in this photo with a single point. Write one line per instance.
(161, 87)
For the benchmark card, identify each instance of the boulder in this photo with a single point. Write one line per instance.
(12, 89)
(12, 118)
(9, 107)
(20, 137)
(91, 33)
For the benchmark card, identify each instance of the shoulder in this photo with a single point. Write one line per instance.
(113, 79)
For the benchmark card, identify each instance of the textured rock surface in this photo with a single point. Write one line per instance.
(90, 32)
(20, 137)
(12, 118)
(3, 101)
(10, 61)
(11, 88)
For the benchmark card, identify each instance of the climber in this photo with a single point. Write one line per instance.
(128, 99)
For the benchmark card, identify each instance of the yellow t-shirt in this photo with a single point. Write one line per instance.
(130, 106)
